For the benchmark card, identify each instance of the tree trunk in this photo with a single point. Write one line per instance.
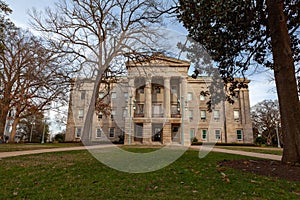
(3, 117)
(87, 128)
(13, 130)
(284, 72)
(2, 123)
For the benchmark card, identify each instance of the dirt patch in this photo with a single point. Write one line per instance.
(269, 168)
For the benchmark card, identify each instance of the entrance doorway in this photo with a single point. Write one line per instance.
(157, 130)
(175, 133)
(138, 133)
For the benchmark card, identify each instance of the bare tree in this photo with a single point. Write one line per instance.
(31, 77)
(99, 33)
(266, 117)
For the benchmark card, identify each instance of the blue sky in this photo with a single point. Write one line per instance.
(260, 87)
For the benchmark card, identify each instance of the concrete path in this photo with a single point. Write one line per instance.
(244, 153)
(39, 151)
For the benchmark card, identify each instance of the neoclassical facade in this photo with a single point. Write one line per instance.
(158, 103)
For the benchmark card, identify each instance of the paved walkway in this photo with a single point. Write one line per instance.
(39, 151)
(244, 153)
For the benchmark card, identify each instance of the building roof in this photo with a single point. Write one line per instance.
(158, 60)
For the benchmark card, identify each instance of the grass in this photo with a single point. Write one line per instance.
(33, 146)
(78, 175)
(266, 150)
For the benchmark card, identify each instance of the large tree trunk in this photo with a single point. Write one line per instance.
(3, 116)
(87, 128)
(284, 72)
(13, 130)
(2, 122)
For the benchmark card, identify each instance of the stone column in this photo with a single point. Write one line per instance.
(184, 135)
(148, 99)
(147, 126)
(129, 124)
(247, 125)
(184, 88)
(166, 136)
(167, 97)
(147, 132)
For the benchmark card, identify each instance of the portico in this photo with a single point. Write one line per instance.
(156, 97)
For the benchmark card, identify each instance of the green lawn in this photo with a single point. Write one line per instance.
(266, 150)
(78, 175)
(33, 146)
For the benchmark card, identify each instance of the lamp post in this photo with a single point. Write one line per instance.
(277, 134)
(130, 117)
(183, 107)
(182, 120)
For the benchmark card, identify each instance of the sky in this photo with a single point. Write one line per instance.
(261, 88)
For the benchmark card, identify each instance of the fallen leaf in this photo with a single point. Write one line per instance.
(297, 192)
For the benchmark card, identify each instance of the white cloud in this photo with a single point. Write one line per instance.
(261, 88)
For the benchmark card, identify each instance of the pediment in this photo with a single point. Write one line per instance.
(158, 61)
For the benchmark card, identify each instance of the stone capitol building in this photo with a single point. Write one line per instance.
(158, 103)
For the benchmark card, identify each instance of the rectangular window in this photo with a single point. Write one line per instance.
(203, 114)
(82, 95)
(190, 96)
(204, 134)
(218, 134)
(157, 90)
(112, 132)
(80, 113)
(236, 115)
(98, 132)
(173, 89)
(236, 95)
(157, 110)
(125, 113)
(113, 113)
(175, 109)
(100, 115)
(78, 132)
(139, 130)
(216, 115)
(113, 95)
(192, 134)
(140, 108)
(190, 114)
(126, 96)
(202, 97)
(141, 90)
(239, 134)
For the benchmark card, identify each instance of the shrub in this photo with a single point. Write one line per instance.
(260, 141)
(59, 137)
